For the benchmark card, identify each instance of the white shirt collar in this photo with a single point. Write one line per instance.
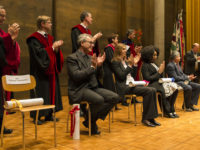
(83, 25)
(41, 32)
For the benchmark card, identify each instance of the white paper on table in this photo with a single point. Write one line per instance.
(76, 134)
(162, 80)
(18, 79)
(24, 103)
(127, 47)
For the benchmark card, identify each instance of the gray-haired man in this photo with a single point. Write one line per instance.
(83, 85)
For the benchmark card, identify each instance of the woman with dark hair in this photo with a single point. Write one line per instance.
(125, 70)
(152, 73)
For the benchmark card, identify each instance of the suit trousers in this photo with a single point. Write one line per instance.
(191, 93)
(101, 102)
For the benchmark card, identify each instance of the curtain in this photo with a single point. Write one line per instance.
(192, 22)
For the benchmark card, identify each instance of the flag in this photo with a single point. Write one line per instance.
(178, 39)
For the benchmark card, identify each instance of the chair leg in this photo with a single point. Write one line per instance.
(129, 112)
(162, 108)
(113, 115)
(109, 121)
(67, 129)
(36, 121)
(135, 113)
(23, 131)
(2, 127)
(54, 118)
(89, 120)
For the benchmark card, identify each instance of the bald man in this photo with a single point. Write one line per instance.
(192, 64)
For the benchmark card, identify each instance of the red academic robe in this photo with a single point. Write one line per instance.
(12, 57)
(52, 69)
(132, 50)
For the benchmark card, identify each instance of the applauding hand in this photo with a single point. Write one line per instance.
(162, 67)
(100, 59)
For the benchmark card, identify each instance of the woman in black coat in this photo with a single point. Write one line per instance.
(152, 73)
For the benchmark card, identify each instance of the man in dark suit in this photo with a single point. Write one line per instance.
(192, 59)
(191, 89)
(83, 85)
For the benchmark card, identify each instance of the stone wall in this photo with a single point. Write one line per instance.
(109, 16)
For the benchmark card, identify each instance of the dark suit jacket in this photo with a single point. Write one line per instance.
(190, 63)
(173, 71)
(150, 74)
(81, 75)
(120, 76)
(108, 82)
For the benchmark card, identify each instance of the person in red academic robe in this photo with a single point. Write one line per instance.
(9, 57)
(133, 49)
(46, 61)
(12, 48)
(86, 20)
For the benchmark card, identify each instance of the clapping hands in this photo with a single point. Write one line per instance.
(97, 61)
(13, 30)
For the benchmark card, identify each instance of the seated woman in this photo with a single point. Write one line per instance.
(152, 73)
(125, 70)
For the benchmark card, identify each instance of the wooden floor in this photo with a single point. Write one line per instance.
(174, 134)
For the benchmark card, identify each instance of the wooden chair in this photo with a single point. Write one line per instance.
(129, 99)
(21, 88)
(180, 89)
(89, 116)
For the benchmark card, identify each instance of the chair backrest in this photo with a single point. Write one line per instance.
(113, 75)
(114, 80)
(18, 87)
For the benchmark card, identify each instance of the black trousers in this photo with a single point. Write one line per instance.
(101, 102)
(149, 100)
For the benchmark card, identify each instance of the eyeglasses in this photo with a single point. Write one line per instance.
(2, 15)
(49, 22)
(90, 42)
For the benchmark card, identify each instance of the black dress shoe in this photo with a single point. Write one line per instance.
(169, 115)
(175, 115)
(81, 114)
(7, 131)
(188, 110)
(94, 129)
(148, 123)
(194, 109)
(117, 108)
(135, 100)
(85, 123)
(51, 119)
(155, 122)
(39, 122)
(97, 132)
(125, 104)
